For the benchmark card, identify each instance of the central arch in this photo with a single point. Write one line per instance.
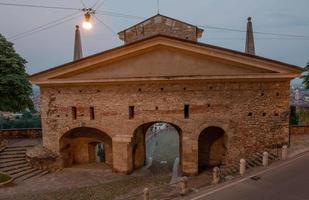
(160, 136)
(86, 145)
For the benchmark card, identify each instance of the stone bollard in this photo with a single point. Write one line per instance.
(183, 185)
(242, 167)
(265, 159)
(216, 175)
(284, 154)
(146, 194)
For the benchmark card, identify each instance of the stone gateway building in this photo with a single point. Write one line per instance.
(224, 104)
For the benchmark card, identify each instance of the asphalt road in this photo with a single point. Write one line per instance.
(289, 182)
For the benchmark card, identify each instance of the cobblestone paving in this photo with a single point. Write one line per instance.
(85, 182)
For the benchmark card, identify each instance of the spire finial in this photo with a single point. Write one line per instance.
(250, 48)
(78, 53)
(158, 6)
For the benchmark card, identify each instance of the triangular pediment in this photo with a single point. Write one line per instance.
(164, 59)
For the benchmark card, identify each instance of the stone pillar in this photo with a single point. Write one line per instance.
(183, 185)
(122, 154)
(242, 167)
(189, 156)
(146, 194)
(108, 154)
(265, 159)
(284, 155)
(216, 175)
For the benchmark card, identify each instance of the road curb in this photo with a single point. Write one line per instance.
(256, 172)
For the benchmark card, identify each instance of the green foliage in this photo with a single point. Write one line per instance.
(4, 178)
(27, 120)
(306, 76)
(15, 89)
(294, 120)
(303, 116)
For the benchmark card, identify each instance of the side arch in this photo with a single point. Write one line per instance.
(79, 146)
(212, 148)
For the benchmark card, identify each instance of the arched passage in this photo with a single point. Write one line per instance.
(158, 143)
(86, 145)
(211, 148)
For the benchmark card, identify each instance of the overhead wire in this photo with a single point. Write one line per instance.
(104, 24)
(39, 6)
(44, 27)
(127, 16)
(115, 14)
(256, 32)
(101, 4)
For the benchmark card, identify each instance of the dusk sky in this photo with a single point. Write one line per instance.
(54, 46)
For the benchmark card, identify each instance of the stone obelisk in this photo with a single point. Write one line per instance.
(250, 49)
(78, 52)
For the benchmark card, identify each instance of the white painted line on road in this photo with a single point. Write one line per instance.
(247, 178)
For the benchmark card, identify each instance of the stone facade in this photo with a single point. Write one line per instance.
(161, 25)
(115, 96)
(299, 130)
(21, 133)
(253, 115)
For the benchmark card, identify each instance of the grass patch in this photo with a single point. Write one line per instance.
(4, 178)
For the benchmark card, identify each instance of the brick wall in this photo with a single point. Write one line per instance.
(161, 25)
(296, 130)
(20, 133)
(254, 115)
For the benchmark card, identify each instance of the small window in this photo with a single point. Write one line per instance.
(74, 113)
(162, 89)
(264, 114)
(131, 112)
(262, 94)
(249, 114)
(91, 110)
(186, 111)
(276, 114)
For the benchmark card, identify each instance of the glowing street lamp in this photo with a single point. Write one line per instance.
(87, 21)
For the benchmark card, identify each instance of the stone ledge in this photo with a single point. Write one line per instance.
(44, 159)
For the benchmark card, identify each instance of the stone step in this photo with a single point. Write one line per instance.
(12, 153)
(12, 164)
(23, 173)
(250, 164)
(12, 156)
(19, 147)
(30, 174)
(15, 150)
(12, 168)
(9, 160)
(18, 170)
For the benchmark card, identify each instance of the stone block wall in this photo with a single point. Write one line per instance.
(20, 133)
(161, 25)
(298, 130)
(253, 115)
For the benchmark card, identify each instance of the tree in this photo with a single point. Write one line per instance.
(15, 89)
(306, 76)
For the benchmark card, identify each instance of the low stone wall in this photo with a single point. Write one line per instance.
(21, 133)
(297, 130)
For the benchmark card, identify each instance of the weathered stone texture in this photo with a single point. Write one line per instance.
(253, 115)
(161, 25)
